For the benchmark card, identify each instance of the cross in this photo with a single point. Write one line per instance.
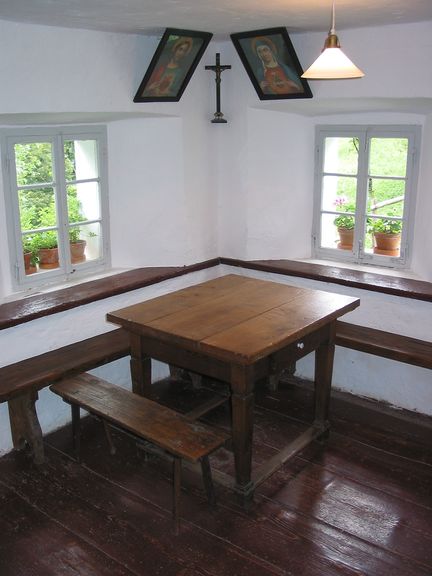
(218, 69)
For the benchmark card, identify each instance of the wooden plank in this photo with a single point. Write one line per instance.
(37, 372)
(272, 330)
(284, 540)
(213, 315)
(385, 344)
(168, 304)
(33, 543)
(162, 426)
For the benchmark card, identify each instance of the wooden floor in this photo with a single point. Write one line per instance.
(359, 505)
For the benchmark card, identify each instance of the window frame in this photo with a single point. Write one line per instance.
(365, 133)
(56, 135)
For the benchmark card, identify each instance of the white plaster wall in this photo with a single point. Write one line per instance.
(395, 59)
(274, 154)
(279, 199)
(422, 254)
(163, 202)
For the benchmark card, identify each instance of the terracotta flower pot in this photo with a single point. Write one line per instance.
(346, 237)
(77, 251)
(387, 244)
(28, 266)
(48, 258)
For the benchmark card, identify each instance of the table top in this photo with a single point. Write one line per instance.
(234, 318)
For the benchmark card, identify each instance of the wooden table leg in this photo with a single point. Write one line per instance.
(324, 356)
(140, 366)
(242, 403)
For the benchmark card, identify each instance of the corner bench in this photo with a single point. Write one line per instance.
(143, 418)
(384, 344)
(21, 381)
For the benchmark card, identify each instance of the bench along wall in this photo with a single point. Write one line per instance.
(398, 384)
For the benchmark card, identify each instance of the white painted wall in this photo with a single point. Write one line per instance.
(163, 201)
(275, 158)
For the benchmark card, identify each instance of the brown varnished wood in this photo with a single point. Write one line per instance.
(37, 372)
(243, 323)
(142, 417)
(380, 343)
(351, 506)
(24, 310)
(279, 327)
(386, 284)
(247, 325)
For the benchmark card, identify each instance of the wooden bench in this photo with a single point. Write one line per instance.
(385, 344)
(21, 381)
(145, 419)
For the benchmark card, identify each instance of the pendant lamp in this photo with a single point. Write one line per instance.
(332, 64)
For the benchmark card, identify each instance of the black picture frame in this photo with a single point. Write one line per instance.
(166, 80)
(271, 63)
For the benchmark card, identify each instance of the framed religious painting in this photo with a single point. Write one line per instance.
(272, 64)
(172, 65)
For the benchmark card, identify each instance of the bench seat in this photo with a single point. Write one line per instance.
(21, 381)
(145, 419)
(385, 344)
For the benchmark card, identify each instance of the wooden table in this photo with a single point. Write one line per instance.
(239, 330)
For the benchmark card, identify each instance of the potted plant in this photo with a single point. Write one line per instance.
(77, 245)
(345, 224)
(30, 256)
(387, 236)
(47, 249)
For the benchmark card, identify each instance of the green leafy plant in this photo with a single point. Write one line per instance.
(344, 220)
(74, 234)
(29, 248)
(45, 240)
(385, 226)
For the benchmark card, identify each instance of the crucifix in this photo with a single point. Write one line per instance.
(218, 69)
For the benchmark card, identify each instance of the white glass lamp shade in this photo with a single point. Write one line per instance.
(332, 64)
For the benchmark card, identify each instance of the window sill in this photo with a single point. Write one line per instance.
(30, 307)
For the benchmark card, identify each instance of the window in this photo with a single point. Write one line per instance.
(57, 202)
(365, 193)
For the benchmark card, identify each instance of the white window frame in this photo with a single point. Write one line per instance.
(57, 135)
(364, 134)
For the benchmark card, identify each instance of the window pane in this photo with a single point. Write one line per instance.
(83, 202)
(85, 242)
(339, 193)
(341, 155)
(37, 208)
(34, 164)
(386, 197)
(81, 159)
(388, 156)
(332, 236)
(46, 248)
(383, 237)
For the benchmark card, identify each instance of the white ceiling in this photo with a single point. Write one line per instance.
(221, 17)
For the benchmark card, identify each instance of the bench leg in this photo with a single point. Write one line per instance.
(76, 431)
(177, 465)
(108, 435)
(207, 480)
(25, 427)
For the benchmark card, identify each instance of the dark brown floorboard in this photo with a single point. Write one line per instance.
(360, 504)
